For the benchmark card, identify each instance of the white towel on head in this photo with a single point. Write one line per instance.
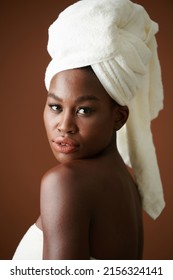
(117, 38)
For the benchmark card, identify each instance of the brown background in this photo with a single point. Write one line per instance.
(24, 151)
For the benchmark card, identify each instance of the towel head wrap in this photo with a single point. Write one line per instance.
(117, 39)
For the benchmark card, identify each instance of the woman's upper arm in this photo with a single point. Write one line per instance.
(65, 217)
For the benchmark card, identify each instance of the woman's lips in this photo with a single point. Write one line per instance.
(65, 145)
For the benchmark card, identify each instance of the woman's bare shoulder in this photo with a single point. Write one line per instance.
(64, 210)
(65, 183)
(62, 175)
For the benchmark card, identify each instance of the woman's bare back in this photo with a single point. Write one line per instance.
(116, 228)
(116, 231)
(113, 207)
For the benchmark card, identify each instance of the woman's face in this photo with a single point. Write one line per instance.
(79, 115)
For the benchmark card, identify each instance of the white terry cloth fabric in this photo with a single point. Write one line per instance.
(31, 245)
(117, 38)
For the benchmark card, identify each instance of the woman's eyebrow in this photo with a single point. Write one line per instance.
(79, 99)
(54, 96)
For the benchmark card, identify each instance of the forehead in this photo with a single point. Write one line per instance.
(79, 82)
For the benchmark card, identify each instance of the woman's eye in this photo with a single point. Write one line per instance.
(85, 111)
(55, 107)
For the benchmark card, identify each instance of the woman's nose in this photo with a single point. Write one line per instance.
(67, 124)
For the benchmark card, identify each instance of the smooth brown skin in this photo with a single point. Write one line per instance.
(90, 206)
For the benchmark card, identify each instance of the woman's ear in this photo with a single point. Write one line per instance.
(121, 114)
